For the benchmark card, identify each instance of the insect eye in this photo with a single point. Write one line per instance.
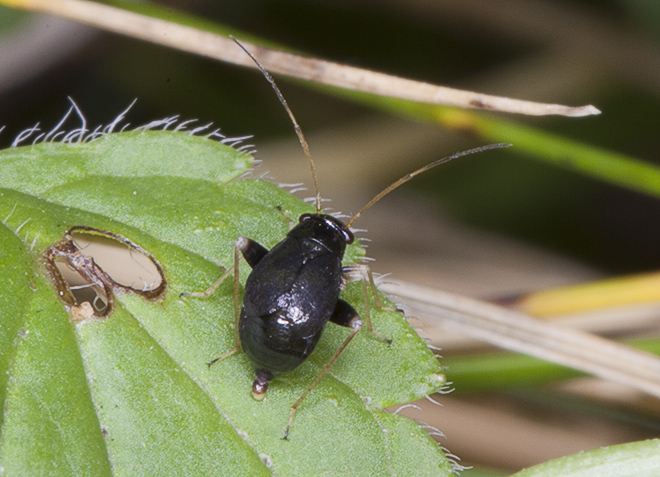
(304, 217)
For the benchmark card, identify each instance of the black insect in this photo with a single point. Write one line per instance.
(293, 289)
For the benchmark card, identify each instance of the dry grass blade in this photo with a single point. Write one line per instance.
(222, 48)
(440, 311)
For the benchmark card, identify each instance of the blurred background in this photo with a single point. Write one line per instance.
(490, 225)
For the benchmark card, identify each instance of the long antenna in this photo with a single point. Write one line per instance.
(407, 177)
(301, 137)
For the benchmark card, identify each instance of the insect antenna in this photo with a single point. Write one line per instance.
(409, 176)
(301, 137)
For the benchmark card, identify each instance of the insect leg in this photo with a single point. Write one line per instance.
(209, 291)
(284, 216)
(344, 315)
(253, 252)
(236, 267)
(363, 273)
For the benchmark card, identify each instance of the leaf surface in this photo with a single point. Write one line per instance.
(130, 393)
(638, 459)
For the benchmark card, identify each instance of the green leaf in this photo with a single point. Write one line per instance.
(638, 459)
(130, 393)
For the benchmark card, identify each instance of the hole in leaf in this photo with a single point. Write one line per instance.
(88, 266)
(125, 265)
(82, 290)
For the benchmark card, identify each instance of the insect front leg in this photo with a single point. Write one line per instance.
(362, 272)
(209, 291)
(343, 315)
(253, 252)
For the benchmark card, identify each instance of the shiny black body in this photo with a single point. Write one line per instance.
(292, 292)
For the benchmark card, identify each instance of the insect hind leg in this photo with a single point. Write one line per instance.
(344, 315)
(362, 272)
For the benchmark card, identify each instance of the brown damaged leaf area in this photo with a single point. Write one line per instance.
(88, 266)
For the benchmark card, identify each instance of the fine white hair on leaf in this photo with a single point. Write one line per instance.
(285, 185)
(53, 131)
(23, 224)
(433, 431)
(430, 399)
(200, 129)
(245, 146)
(173, 120)
(69, 138)
(310, 200)
(60, 133)
(215, 134)
(246, 174)
(94, 134)
(407, 406)
(183, 124)
(433, 348)
(330, 211)
(458, 468)
(34, 241)
(120, 117)
(10, 213)
(83, 121)
(158, 123)
(453, 459)
(24, 135)
(232, 141)
(446, 389)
